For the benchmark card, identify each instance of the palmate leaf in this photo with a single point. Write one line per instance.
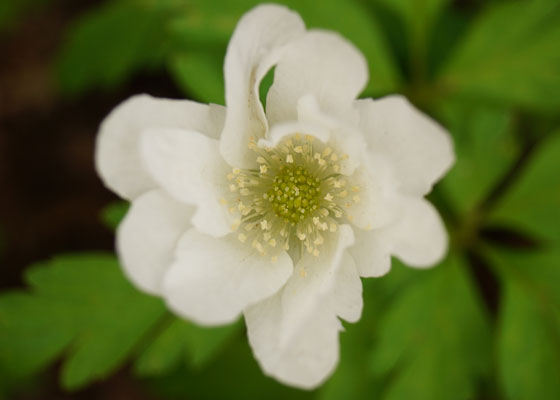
(485, 148)
(82, 307)
(532, 204)
(529, 326)
(79, 304)
(434, 339)
(511, 55)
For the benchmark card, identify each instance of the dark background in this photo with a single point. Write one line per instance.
(50, 195)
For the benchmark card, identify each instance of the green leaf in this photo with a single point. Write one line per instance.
(533, 202)
(351, 379)
(79, 303)
(419, 18)
(109, 44)
(182, 340)
(529, 324)
(436, 328)
(200, 74)
(113, 214)
(485, 149)
(235, 374)
(511, 55)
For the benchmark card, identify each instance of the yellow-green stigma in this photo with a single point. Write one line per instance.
(294, 194)
(293, 197)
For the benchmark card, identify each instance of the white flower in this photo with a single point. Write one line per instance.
(276, 214)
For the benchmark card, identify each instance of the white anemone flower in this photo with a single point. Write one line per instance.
(276, 214)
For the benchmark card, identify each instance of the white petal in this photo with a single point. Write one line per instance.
(308, 359)
(213, 280)
(189, 167)
(117, 156)
(322, 64)
(283, 130)
(256, 45)
(419, 239)
(343, 135)
(371, 253)
(314, 277)
(418, 148)
(147, 237)
(294, 334)
(371, 204)
(348, 302)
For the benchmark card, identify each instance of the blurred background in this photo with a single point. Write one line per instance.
(485, 324)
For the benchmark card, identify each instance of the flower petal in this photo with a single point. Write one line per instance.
(371, 253)
(283, 130)
(371, 202)
(418, 148)
(308, 359)
(147, 236)
(117, 156)
(294, 334)
(213, 280)
(314, 277)
(342, 134)
(256, 45)
(189, 167)
(348, 301)
(419, 239)
(322, 64)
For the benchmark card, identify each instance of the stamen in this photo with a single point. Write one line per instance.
(295, 191)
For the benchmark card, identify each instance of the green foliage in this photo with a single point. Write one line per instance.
(234, 375)
(182, 340)
(418, 17)
(107, 45)
(533, 202)
(200, 74)
(437, 328)
(529, 327)
(113, 214)
(485, 148)
(511, 56)
(80, 305)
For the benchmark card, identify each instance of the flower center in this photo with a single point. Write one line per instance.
(292, 198)
(294, 194)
